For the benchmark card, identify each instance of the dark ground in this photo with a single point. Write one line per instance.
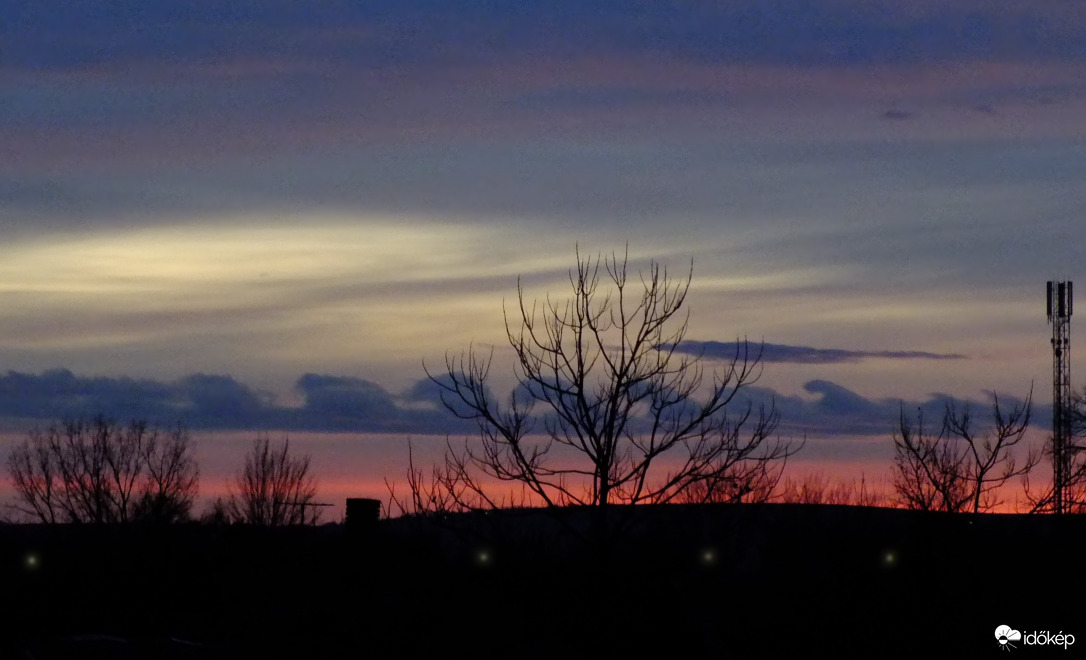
(683, 582)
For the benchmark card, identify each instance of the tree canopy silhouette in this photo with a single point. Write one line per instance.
(274, 488)
(625, 417)
(99, 471)
(960, 469)
(1074, 495)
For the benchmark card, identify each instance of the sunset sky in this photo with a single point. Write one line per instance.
(267, 214)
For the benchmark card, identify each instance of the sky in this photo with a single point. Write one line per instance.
(269, 215)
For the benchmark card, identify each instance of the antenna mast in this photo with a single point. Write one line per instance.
(1059, 317)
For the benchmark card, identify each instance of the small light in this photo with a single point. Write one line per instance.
(32, 561)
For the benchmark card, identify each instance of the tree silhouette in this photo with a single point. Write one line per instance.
(1075, 493)
(274, 488)
(172, 478)
(817, 488)
(626, 417)
(958, 469)
(98, 471)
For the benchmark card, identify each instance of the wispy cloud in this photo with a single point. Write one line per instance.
(422, 32)
(239, 78)
(716, 350)
(368, 179)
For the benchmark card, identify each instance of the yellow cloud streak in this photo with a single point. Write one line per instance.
(298, 291)
(215, 255)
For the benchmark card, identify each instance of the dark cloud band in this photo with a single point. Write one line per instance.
(716, 350)
(51, 33)
(202, 401)
(347, 404)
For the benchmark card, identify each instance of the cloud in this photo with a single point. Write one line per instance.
(611, 98)
(217, 401)
(124, 116)
(339, 403)
(58, 393)
(198, 400)
(428, 395)
(183, 66)
(339, 396)
(835, 410)
(897, 115)
(350, 404)
(715, 350)
(203, 401)
(52, 33)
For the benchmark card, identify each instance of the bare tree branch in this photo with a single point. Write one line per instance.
(959, 469)
(635, 420)
(274, 488)
(1075, 495)
(98, 471)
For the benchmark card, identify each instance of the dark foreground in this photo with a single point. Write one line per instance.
(682, 582)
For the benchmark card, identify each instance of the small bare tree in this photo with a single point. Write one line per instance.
(447, 488)
(172, 478)
(274, 488)
(636, 419)
(98, 471)
(744, 481)
(928, 470)
(817, 488)
(958, 469)
(1074, 495)
(35, 476)
(434, 493)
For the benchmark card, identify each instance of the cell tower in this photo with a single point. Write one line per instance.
(1059, 317)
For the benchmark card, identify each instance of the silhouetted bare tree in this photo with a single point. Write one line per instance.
(172, 478)
(636, 419)
(1075, 493)
(274, 488)
(817, 488)
(447, 488)
(98, 471)
(959, 469)
(427, 493)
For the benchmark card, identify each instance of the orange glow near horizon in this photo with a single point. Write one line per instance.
(347, 465)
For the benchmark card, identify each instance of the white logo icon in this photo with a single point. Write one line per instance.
(1005, 635)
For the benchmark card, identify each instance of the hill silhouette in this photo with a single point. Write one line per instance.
(680, 581)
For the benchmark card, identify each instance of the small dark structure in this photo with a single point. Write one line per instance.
(362, 514)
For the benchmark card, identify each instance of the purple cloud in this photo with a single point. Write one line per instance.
(716, 350)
